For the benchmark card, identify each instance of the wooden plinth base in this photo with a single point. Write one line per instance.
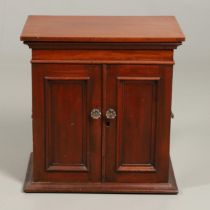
(161, 188)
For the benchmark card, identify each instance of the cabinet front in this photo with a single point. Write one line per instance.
(67, 141)
(127, 142)
(137, 137)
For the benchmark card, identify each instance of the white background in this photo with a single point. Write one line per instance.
(190, 131)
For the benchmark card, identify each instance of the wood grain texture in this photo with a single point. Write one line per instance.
(137, 107)
(67, 142)
(51, 45)
(112, 55)
(145, 126)
(169, 187)
(67, 136)
(102, 29)
(84, 62)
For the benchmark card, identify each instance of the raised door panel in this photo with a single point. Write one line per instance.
(69, 146)
(136, 108)
(67, 138)
(137, 140)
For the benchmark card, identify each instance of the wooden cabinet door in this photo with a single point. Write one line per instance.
(137, 140)
(67, 141)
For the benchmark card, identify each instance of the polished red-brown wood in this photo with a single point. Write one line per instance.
(67, 145)
(123, 63)
(102, 29)
(136, 139)
(30, 186)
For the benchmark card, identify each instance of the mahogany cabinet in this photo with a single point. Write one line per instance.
(101, 93)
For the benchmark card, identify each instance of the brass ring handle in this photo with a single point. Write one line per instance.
(111, 114)
(95, 114)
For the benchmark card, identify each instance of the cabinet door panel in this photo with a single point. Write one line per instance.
(136, 108)
(69, 146)
(67, 123)
(137, 141)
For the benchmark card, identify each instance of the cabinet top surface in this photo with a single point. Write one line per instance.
(102, 29)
